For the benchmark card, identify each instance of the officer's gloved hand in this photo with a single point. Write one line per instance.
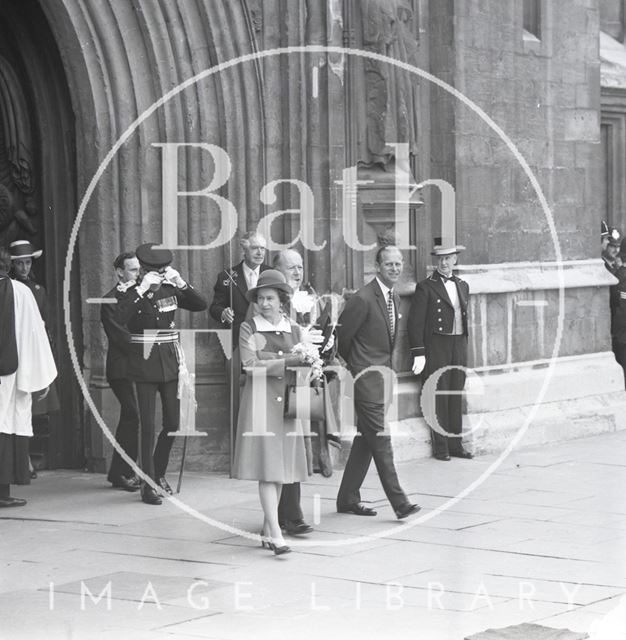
(152, 279)
(419, 362)
(173, 277)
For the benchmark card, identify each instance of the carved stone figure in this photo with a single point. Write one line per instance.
(391, 94)
(18, 212)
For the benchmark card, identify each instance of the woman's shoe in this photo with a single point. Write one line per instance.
(278, 551)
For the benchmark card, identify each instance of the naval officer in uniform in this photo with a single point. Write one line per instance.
(145, 306)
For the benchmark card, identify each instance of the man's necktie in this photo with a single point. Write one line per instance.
(253, 279)
(391, 312)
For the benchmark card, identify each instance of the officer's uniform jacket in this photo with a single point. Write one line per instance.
(432, 311)
(156, 310)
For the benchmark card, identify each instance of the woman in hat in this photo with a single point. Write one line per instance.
(270, 447)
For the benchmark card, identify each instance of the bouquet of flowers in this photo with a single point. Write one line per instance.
(310, 354)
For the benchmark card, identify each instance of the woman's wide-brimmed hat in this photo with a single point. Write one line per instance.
(272, 279)
(23, 249)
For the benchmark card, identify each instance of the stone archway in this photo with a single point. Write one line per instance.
(38, 191)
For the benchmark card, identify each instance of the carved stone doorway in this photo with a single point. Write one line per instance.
(38, 196)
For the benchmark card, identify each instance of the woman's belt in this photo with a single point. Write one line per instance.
(157, 337)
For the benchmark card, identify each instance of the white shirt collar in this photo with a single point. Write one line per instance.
(247, 270)
(384, 288)
(265, 325)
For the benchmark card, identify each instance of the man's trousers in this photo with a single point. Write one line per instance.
(368, 444)
(156, 466)
(447, 351)
(127, 432)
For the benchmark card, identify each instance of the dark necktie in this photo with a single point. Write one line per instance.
(391, 312)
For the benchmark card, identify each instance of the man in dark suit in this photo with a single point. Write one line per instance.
(148, 309)
(437, 328)
(366, 335)
(121, 474)
(230, 305)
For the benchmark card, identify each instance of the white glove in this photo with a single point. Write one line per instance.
(228, 315)
(314, 336)
(152, 278)
(173, 277)
(419, 362)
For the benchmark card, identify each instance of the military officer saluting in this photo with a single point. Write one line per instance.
(438, 330)
(146, 306)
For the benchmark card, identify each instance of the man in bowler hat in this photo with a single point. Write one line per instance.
(150, 305)
(437, 328)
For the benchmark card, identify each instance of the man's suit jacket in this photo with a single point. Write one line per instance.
(226, 294)
(432, 311)
(364, 339)
(119, 341)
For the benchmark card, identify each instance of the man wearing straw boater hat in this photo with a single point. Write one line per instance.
(26, 366)
(147, 308)
(437, 328)
(22, 255)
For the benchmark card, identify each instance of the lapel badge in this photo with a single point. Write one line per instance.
(150, 295)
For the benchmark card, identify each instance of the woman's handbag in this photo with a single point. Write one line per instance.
(304, 402)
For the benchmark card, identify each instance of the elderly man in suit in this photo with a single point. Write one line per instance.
(366, 336)
(121, 475)
(230, 305)
(437, 328)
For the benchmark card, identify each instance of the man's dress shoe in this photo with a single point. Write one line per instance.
(296, 527)
(405, 510)
(12, 502)
(358, 509)
(149, 495)
(462, 454)
(165, 485)
(441, 456)
(122, 482)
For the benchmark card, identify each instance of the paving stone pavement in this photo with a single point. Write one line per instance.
(542, 540)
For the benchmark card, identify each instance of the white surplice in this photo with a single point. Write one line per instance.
(35, 368)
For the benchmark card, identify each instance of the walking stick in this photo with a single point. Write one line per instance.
(231, 395)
